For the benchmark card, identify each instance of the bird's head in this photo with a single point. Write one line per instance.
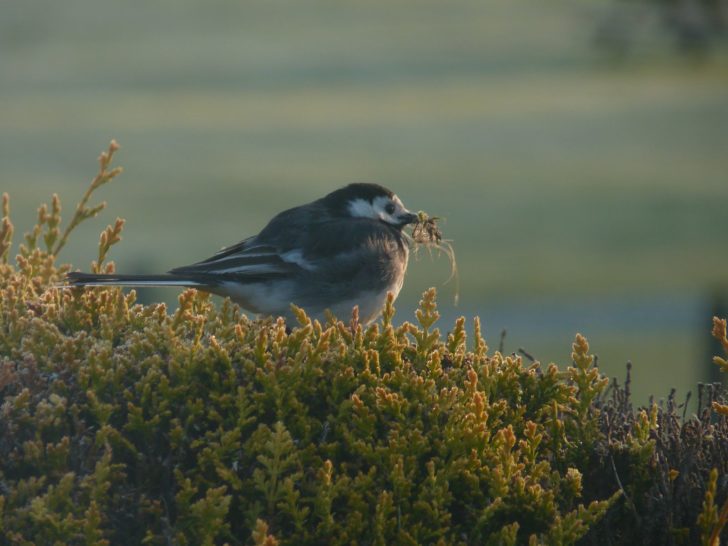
(363, 200)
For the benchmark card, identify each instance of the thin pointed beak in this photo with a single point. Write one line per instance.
(408, 218)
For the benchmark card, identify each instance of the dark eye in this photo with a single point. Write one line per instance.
(389, 209)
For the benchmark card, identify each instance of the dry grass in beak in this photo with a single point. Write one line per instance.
(426, 232)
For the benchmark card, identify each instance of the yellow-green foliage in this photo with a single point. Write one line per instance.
(719, 333)
(712, 520)
(122, 423)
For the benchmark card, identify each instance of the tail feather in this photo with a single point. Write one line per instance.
(76, 278)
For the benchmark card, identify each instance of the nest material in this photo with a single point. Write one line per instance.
(427, 233)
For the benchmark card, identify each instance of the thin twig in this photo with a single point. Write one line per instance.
(502, 341)
(685, 404)
(621, 488)
(523, 352)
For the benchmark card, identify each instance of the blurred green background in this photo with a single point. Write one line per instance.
(577, 151)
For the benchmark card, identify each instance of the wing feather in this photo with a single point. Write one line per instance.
(302, 241)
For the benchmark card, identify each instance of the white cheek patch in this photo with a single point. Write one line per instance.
(377, 210)
(361, 208)
(381, 202)
(380, 206)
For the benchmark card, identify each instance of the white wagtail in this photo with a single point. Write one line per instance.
(339, 251)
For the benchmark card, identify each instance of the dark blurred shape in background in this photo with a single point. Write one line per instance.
(695, 26)
(577, 149)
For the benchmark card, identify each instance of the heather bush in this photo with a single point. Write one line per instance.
(666, 465)
(127, 424)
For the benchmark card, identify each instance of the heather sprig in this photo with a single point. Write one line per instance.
(83, 212)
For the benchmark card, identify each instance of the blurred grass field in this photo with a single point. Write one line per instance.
(570, 183)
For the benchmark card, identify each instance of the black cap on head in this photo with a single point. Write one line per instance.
(337, 201)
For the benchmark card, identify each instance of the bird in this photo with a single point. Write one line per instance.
(345, 249)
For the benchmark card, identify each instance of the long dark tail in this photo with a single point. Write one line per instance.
(77, 278)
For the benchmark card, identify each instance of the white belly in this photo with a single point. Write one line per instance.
(370, 304)
(275, 299)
